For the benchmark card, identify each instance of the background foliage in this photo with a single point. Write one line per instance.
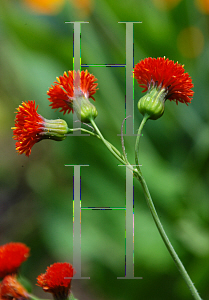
(36, 192)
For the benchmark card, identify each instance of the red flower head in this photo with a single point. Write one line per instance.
(30, 128)
(69, 87)
(163, 80)
(57, 280)
(12, 255)
(164, 74)
(11, 289)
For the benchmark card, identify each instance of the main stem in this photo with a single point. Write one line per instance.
(138, 174)
(180, 266)
(111, 148)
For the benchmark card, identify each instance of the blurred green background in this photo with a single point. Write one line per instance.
(36, 203)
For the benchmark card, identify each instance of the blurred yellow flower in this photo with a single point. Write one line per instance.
(203, 6)
(50, 7)
(45, 6)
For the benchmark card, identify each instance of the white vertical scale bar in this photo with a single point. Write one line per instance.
(77, 221)
(129, 80)
(129, 229)
(77, 66)
(129, 269)
(129, 97)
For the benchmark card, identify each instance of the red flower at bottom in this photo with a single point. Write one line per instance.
(57, 280)
(11, 289)
(12, 255)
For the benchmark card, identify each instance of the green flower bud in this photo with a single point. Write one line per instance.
(54, 129)
(153, 103)
(84, 109)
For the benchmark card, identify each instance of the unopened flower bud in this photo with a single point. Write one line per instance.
(84, 109)
(54, 129)
(153, 103)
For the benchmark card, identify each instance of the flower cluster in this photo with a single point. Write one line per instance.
(70, 92)
(161, 78)
(56, 280)
(12, 255)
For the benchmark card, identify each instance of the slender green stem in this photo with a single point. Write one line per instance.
(71, 297)
(84, 130)
(144, 120)
(35, 298)
(111, 148)
(180, 266)
(122, 142)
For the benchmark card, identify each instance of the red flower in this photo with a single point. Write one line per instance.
(68, 87)
(11, 289)
(165, 74)
(28, 126)
(57, 280)
(12, 255)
